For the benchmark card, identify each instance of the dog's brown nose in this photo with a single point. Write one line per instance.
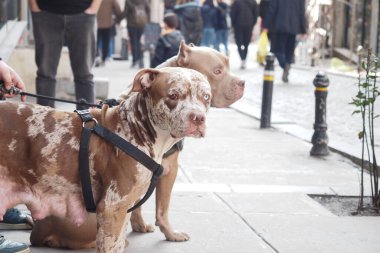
(197, 118)
(241, 83)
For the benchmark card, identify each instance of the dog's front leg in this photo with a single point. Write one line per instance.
(138, 223)
(163, 193)
(112, 220)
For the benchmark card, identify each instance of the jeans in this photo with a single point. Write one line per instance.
(221, 38)
(135, 34)
(208, 37)
(51, 31)
(104, 39)
(284, 45)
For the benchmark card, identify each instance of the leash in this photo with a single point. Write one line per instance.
(16, 91)
(119, 142)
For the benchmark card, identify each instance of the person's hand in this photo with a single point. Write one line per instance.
(264, 30)
(10, 77)
(94, 7)
(34, 6)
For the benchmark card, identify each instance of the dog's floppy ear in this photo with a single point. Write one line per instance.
(183, 54)
(144, 78)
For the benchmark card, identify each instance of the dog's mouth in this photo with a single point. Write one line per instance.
(196, 133)
(229, 97)
(191, 131)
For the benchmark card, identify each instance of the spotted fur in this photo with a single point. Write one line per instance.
(38, 155)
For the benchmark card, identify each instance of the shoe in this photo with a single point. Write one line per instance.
(14, 219)
(141, 63)
(133, 64)
(243, 63)
(7, 246)
(285, 74)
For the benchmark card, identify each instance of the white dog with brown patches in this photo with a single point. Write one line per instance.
(38, 155)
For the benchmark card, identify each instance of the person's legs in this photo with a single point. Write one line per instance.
(48, 36)
(280, 48)
(289, 48)
(239, 40)
(218, 39)
(247, 34)
(133, 38)
(106, 38)
(135, 34)
(139, 51)
(80, 37)
(207, 37)
(224, 40)
(12, 247)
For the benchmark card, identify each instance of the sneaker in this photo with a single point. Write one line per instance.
(242, 66)
(141, 63)
(7, 246)
(14, 219)
(285, 74)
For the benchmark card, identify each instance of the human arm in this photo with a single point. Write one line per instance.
(94, 7)
(34, 6)
(270, 16)
(117, 11)
(10, 77)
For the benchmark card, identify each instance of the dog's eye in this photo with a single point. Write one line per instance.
(217, 71)
(206, 97)
(173, 96)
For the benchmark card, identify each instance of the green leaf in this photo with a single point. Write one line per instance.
(361, 135)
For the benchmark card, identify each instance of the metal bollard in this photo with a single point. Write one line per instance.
(266, 104)
(320, 139)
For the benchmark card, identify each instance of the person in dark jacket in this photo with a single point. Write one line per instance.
(190, 20)
(137, 13)
(209, 17)
(243, 18)
(221, 32)
(168, 44)
(284, 20)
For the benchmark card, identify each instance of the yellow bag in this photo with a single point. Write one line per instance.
(262, 48)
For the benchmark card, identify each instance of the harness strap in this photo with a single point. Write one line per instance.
(125, 146)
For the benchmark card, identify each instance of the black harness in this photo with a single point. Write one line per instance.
(119, 142)
(116, 140)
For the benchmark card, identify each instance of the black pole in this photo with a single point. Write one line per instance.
(266, 104)
(320, 139)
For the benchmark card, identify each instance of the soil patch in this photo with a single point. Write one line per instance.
(346, 205)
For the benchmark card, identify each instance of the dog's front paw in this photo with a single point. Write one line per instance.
(177, 236)
(142, 228)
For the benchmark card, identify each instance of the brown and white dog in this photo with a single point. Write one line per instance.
(39, 150)
(226, 89)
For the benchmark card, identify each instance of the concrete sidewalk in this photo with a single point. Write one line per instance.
(243, 189)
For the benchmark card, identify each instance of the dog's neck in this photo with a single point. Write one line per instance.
(137, 123)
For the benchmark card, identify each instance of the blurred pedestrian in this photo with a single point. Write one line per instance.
(106, 22)
(168, 44)
(243, 18)
(190, 20)
(285, 19)
(169, 6)
(137, 13)
(221, 32)
(263, 10)
(209, 18)
(72, 23)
